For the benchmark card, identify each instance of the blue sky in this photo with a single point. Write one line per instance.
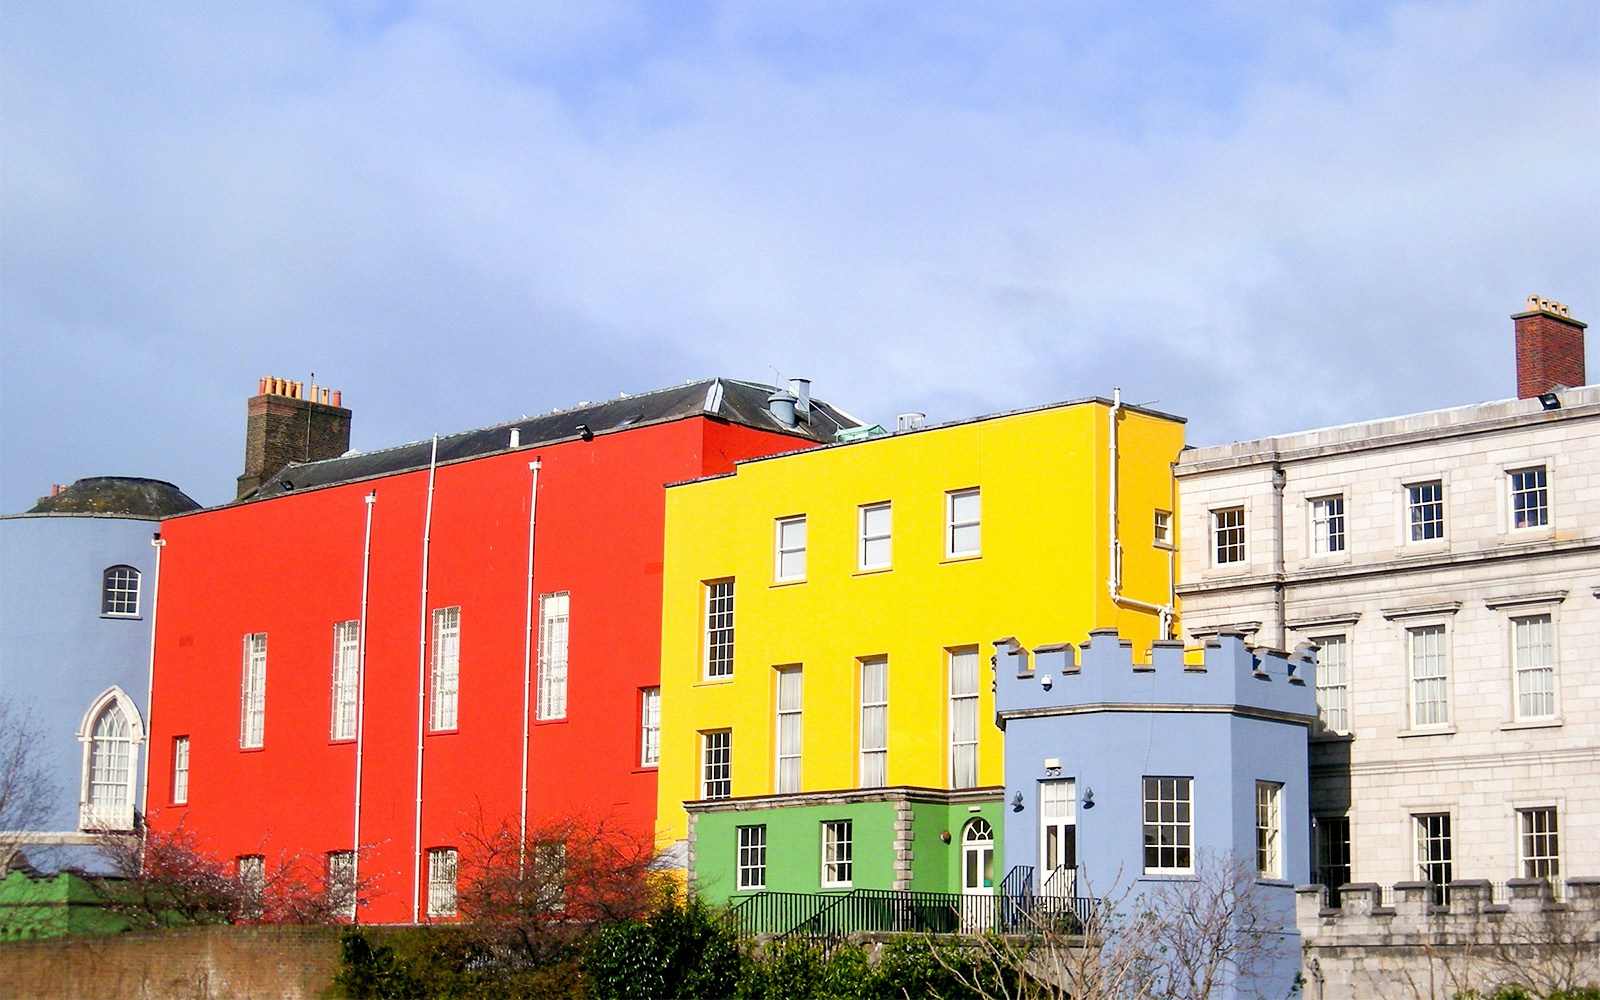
(1261, 217)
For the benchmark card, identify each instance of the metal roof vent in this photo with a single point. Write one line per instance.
(781, 403)
(910, 421)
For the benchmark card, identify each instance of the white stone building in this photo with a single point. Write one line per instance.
(1448, 565)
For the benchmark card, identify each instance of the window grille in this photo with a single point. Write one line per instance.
(346, 657)
(442, 882)
(445, 687)
(253, 694)
(554, 630)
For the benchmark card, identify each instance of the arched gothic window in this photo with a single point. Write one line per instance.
(119, 592)
(111, 733)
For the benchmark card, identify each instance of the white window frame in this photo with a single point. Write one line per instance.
(443, 869)
(119, 592)
(1528, 503)
(1161, 528)
(555, 649)
(1328, 525)
(1420, 527)
(1229, 536)
(838, 854)
(444, 671)
(1269, 830)
(1539, 843)
(1533, 669)
(346, 662)
(719, 625)
(1170, 836)
(108, 792)
(1058, 828)
(963, 530)
(875, 534)
(789, 536)
(716, 764)
(1428, 673)
(750, 861)
(1333, 682)
(787, 729)
(180, 770)
(339, 882)
(650, 727)
(253, 693)
(1434, 829)
(873, 771)
(964, 720)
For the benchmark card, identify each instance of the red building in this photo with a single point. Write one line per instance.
(383, 601)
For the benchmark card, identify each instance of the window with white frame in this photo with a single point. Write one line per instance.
(963, 521)
(1434, 851)
(649, 727)
(790, 682)
(874, 722)
(253, 692)
(837, 850)
(876, 527)
(1227, 536)
(1333, 851)
(119, 592)
(1425, 510)
(1539, 843)
(716, 764)
(719, 628)
(1534, 663)
(789, 559)
(1058, 840)
(252, 874)
(1530, 498)
(1333, 682)
(1327, 525)
(553, 632)
(1430, 675)
(108, 802)
(1162, 528)
(442, 881)
(1168, 826)
(180, 770)
(341, 882)
(346, 657)
(752, 859)
(1269, 830)
(444, 679)
(963, 718)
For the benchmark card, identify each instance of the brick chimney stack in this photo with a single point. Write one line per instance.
(286, 422)
(1549, 348)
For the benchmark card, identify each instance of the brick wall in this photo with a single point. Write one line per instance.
(280, 429)
(192, 963)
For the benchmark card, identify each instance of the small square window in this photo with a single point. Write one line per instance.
(963, 534)
(1425, 510)
(1227, 536)
(789, 563)
(1530, 498)
(1327, 525)
(837, 851)
(877, 522)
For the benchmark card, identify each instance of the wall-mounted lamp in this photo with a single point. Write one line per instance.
(1045, 682)
(944, 835)
(1549, 401)
(1088, 798)
(585, 433)
(1016, 802)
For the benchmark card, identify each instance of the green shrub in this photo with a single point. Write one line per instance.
(684, 951)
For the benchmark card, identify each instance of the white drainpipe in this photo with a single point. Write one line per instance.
(158, 543)
(527, 669)
(361, 702)
(1164, 612)
(422, 690)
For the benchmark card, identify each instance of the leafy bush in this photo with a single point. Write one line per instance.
(681, 951)
(450, 962)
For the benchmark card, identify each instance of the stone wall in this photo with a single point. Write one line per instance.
(1415, 948)
(190, 963)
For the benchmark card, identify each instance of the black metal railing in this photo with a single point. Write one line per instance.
(833, 915)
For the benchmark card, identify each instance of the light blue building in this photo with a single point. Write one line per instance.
(77, 575)
(1151, 779)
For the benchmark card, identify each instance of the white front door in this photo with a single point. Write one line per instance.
(977, 875)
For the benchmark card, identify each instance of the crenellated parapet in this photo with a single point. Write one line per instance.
(1102, 675)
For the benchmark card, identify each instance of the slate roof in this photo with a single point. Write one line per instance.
(127, 496)
(730, 400)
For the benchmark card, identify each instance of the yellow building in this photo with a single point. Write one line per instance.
(829, 618)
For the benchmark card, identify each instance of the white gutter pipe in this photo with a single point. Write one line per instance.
(422, 690)
(1165, 612)
(361, 707)
(158, 543)
(527, 669)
